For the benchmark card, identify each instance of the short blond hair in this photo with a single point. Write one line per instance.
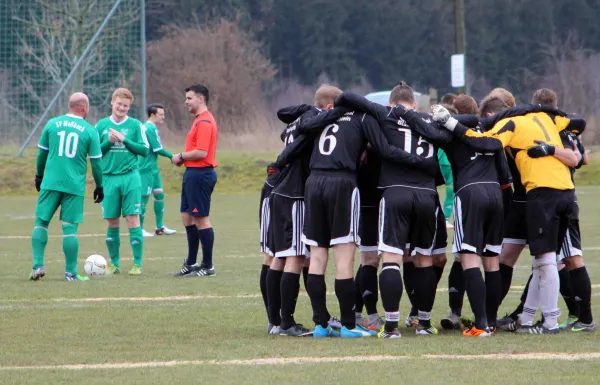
(123, 93)
(326, 94)
(503, 94)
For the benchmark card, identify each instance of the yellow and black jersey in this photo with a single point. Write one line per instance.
(517, 134)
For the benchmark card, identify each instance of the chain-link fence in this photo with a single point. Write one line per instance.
(52, 48)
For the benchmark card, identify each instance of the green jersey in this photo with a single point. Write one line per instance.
(150, 162)
(69, 140)
(118, 159)
(443, 158)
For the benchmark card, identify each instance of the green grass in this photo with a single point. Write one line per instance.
(53, 322)
(239, 172)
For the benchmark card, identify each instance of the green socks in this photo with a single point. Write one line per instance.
(113, 243)
(449, 202)
(137, 245)
(70, 247)
(39, 239)
(159, 209)
(145, 200)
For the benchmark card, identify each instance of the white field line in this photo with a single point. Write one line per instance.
(171, 298)
(90, 235)
(85, 253)
(309, 360)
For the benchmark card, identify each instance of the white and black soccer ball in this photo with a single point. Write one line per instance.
(95, 265)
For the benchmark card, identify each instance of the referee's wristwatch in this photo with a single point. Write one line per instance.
(181, 156)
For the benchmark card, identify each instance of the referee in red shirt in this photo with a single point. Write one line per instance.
(199, 181)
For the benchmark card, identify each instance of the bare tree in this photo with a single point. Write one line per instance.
(54, 37)
(222, 57)
(574, 73)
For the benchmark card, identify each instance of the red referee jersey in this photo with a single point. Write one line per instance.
(202, 136)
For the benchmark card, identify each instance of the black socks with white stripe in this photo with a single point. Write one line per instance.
(390, 284)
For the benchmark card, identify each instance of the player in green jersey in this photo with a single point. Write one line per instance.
(65, 144)
(447, 173)
(122, 140)
(150, 174)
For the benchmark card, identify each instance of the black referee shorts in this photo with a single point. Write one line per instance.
(196, 190)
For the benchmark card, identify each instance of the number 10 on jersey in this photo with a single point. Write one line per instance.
(68, 144)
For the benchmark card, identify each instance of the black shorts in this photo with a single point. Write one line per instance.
(368, 227)
(264, 216)
(478, 220)
(549, 212)
(287, 218)
(332, 210)
(515, 223)
(441, 234)
(571, 246)
(408, 219)
(196, 190)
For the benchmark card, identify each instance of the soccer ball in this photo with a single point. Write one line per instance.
(95, 265)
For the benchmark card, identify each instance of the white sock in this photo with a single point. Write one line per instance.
(375, 317)
(549, 289)
(533, 298)
(393, 316)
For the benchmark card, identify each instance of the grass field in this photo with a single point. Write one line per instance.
(156, 329)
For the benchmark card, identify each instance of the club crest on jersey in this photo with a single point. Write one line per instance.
(402, 123)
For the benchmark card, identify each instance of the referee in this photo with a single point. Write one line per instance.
(199, 181)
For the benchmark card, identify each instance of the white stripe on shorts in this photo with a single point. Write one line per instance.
(568, 250)
(352, 236)
(297, 248)
(265, 214)
(382, 247)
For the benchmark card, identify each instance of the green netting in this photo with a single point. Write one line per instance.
(40, 43)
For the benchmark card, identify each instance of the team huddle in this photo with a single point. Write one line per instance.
(355, 173)
(123, 154)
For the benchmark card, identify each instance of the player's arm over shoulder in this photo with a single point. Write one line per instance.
(495, 139)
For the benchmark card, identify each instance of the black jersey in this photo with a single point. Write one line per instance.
(342, 135)
(571, 141)
(294, 159)
(470, 166)
(412, 131)
(519, 193)
(368, 178)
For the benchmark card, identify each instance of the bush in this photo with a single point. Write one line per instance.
(222, 57)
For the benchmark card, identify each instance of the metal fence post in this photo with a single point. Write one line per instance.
(68, 79)
(143, 58)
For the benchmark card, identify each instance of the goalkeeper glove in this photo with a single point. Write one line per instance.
(38, 182)
(98, 194)
(542, 149)
(442, 116)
